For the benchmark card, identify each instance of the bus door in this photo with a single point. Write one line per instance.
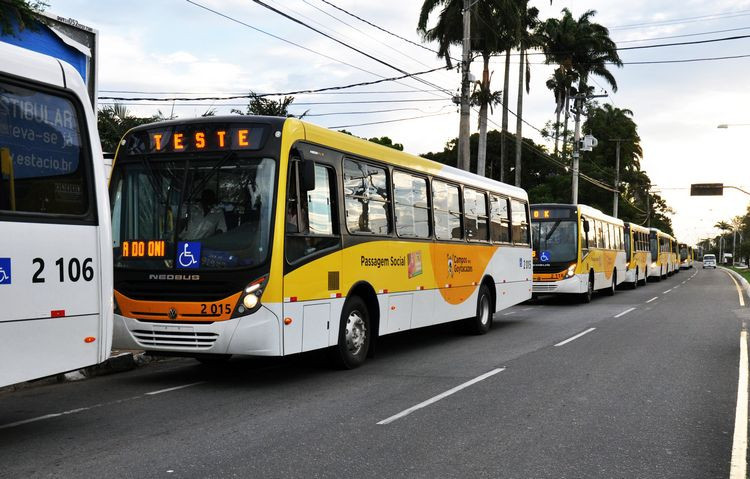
(313, 258)
(50, 277)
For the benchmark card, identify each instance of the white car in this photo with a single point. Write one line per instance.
(709, 261)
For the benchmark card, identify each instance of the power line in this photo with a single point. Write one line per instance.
(298, 45)
(298, 92)
(364, 33)
(738, 13)
(131, 101)
(684, 35)
(300, 22)
(383, 92)
(381, 29)
(389, 121)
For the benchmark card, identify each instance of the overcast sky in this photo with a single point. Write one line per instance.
(174, 47)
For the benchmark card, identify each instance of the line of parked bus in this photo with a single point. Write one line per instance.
(579, 250)
(261, 236)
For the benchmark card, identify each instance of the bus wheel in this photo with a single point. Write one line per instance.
(644, 281)
(586, 297)
(482, 322)
(354, 335)
(611, 290)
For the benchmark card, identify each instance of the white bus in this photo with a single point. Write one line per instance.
(55, 237)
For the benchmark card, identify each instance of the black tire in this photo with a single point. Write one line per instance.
(589, 294)
(612, 289)
(482, 322)
(635, 283)
(354, 335)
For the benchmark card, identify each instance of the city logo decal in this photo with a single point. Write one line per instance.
(459, 264)
(5, 271)
(188, 254)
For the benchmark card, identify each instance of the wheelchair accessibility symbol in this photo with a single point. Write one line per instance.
(544, 257)
(4, 270)
(189, 256)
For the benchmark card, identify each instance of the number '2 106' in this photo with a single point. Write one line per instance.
(76, 270)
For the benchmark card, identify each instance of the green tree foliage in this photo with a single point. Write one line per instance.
(259, 105)
(21, 13)
(385, 141)
(114, 121)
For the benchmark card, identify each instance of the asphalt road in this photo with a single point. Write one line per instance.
(648, 392)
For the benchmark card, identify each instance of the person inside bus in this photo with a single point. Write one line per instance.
(204, 219)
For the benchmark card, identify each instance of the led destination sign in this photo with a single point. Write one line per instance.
(198, 138)
(143, 249)
(553, 214)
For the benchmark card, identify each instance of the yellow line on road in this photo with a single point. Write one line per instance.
(738, 469)
(739, 289)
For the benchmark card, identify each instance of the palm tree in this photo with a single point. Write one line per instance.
(560, 84)
(579, 47)
(492, 23)
(527, 39)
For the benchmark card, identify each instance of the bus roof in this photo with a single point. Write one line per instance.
(360, 147)
(583, 209)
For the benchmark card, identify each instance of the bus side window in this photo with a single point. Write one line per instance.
(310, 225)
(475, 219)
(499, 220)
(446, 210)
(520, 218)
(367, 198)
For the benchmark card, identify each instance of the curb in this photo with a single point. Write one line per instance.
(118, 362)
(740, 278)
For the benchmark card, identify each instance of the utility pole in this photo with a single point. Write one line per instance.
(616, 194)
(578, 101)
(464, 125)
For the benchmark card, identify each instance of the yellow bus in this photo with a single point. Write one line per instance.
(662, 258)
(577, 249)
(271, 236)
(687, 256)
(637, 254)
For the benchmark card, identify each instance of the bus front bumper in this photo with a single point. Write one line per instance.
(258, 334)
(575, 284)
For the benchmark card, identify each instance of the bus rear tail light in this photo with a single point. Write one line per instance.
(250, 299)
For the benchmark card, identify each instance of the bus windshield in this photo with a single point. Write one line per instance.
(189, 213)
(555, 241)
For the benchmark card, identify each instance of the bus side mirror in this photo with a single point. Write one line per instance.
(586, 226)
(307, 175)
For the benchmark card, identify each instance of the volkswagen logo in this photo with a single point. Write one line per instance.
(172, 313)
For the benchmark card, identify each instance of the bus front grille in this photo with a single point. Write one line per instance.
(175, 339)
(543, 288)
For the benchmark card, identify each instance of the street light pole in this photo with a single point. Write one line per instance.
(578, 100)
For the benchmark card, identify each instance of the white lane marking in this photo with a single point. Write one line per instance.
(685, 281)
(676, 286)
(88, 408)
(440, 396)
(563, 343)
(653, 299)
(527, 309)
(667, 291)
(624, 312)
(738, 467)
(508, 314)
(739, 290)
(160, 391)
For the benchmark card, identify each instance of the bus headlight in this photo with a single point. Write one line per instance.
(654, 265)
(250, 301)
(571, 271)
